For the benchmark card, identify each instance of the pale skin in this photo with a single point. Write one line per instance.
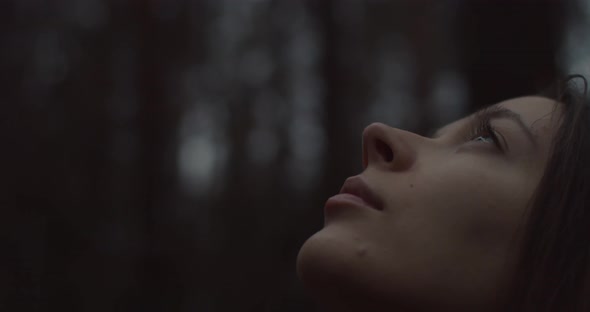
(446, 238)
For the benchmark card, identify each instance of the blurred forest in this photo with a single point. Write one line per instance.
(174, 155)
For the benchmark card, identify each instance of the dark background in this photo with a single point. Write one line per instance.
(174, 155)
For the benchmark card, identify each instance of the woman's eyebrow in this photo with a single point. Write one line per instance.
(496, 112)
(499, 112)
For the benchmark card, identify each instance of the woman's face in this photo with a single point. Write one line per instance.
(439, 230)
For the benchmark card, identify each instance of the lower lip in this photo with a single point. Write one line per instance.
(342, 200)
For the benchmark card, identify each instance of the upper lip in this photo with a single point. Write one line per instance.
(356, 186)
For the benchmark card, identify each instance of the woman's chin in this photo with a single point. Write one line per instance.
(319, 261)
(330, 265)
(338, 266)
(335, 277)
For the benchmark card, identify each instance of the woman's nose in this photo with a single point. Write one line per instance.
(387, 148)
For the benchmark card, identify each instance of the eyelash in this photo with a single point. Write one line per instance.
(485, 128)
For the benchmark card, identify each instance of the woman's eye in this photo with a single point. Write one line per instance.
(483, 131)
(487, 134)
(484, 138)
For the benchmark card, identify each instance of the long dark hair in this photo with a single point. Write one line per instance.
(553, 269)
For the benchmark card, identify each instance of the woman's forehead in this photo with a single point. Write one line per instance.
(533, 108)
(540, 114)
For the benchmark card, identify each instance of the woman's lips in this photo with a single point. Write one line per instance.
(345, 198)
(355, 191)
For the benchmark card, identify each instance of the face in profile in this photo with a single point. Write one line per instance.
(431, 224)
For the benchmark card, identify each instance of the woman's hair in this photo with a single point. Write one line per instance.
(553, 269)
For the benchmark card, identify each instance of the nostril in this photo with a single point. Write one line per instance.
(384, 150)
